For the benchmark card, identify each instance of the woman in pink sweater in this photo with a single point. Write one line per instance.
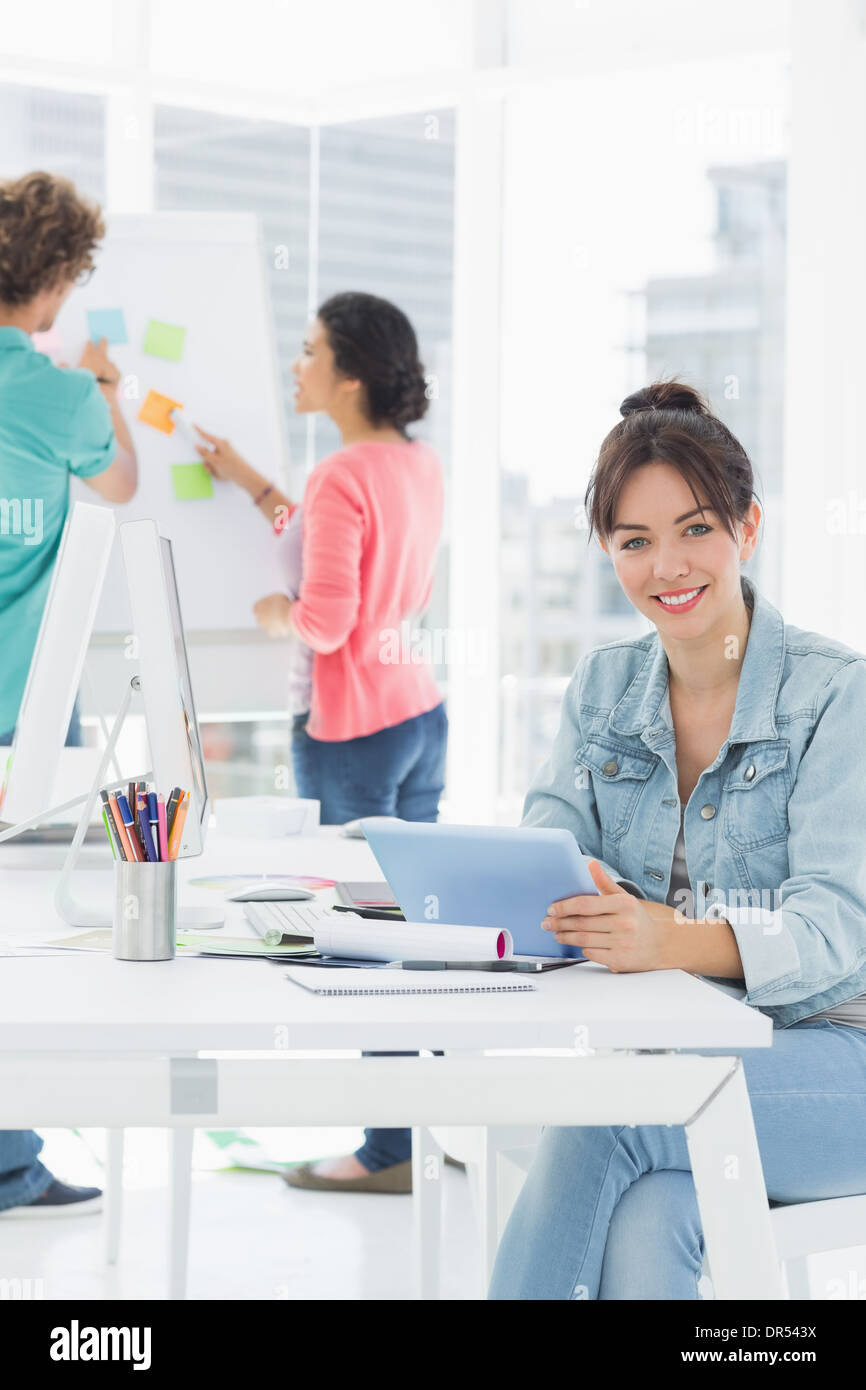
(372, 740)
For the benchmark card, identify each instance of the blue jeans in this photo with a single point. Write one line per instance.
(609, 1212)
(22, 1178)
(396, 772)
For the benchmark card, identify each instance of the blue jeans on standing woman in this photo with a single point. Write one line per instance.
(609, 1212)
(398, 771)
(22, 1177)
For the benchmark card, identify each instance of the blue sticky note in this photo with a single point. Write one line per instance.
(106, 323)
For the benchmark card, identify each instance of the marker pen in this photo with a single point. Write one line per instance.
(129, 825)
(162, 842)
(144, 829)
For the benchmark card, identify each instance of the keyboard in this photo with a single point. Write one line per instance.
(274, 921)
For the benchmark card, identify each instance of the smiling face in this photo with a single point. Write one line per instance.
(662, 545)
(318, 384)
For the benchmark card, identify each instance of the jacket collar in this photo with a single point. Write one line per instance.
(645, 708)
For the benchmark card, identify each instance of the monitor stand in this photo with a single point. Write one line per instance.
(79, 914)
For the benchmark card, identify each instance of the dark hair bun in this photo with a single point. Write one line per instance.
(373, 341)
(665, 395)
(402, 396)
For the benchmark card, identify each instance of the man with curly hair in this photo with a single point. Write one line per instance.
(54, 421)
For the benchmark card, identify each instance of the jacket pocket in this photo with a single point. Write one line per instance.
(756, 792)
(619, 775)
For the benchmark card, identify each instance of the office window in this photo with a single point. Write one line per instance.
(63, 132)
(206, 162)
(384, 218)
(659, 251)
(386, 213)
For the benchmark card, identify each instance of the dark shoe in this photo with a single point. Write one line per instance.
(396, 1178)
(60, 1199)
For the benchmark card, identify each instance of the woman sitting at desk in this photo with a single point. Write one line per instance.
(709, 762)
(369, 725)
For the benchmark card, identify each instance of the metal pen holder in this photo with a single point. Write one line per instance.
(145, 910)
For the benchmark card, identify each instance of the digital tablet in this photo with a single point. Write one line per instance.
(481, 876)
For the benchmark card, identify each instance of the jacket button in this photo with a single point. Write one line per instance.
(750, 772)
(708, 812)
(610, 768)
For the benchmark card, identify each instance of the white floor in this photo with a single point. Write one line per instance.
(252, 1236)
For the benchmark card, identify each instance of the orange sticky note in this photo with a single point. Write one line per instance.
(155, 411)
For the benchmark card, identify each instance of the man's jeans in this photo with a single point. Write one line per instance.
(396, 772)
(22, 1177)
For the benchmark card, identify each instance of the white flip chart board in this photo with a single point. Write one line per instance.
(188, 292)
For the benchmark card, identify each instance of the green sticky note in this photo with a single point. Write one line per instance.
(191, 481)
(164, 340)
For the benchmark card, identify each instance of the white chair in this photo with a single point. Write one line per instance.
(497, 1161)
(180, 1162)
(810, 1228)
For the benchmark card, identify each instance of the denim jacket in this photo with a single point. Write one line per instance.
(775, 829)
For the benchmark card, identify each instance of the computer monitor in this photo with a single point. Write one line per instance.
(166, 688)
(36, 760)
(176, 758)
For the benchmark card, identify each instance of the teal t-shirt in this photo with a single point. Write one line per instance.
(53, 421)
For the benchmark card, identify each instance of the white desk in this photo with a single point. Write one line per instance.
(88, 1040)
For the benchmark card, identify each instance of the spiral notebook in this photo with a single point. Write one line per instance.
(404, 982)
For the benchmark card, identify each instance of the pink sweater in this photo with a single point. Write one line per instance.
(371, 524)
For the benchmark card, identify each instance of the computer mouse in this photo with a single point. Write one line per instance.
(270, 891)
(352, 830)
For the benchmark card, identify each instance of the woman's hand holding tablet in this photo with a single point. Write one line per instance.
(615, 928)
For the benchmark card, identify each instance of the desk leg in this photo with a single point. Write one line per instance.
(180, 1185)
(427, 1163)
(732, 1199)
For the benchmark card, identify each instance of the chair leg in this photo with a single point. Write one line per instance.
(113, 1194)
(180, 1181)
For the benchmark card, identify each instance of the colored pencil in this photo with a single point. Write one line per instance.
(123, 839)
(110, 826)
(174, 838)
(108, 832)
(162, 826)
